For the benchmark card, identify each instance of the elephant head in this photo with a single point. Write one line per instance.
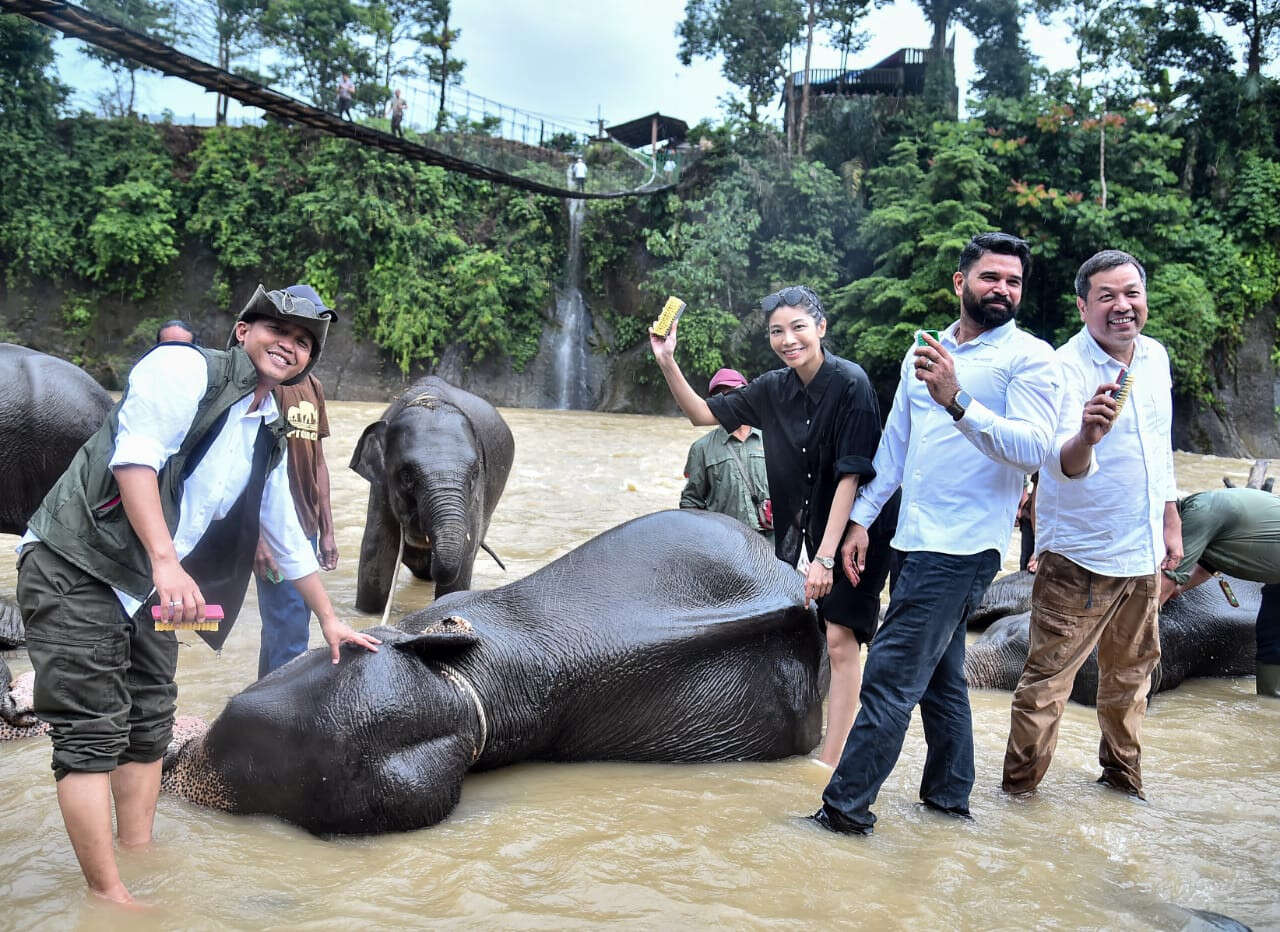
(427, 461)
(379, 742)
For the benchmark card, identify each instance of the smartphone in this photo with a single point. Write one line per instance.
(920, 335)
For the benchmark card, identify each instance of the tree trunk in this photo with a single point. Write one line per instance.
(1102, 152)
(444, 69)
(1253, 61)
(804, 93)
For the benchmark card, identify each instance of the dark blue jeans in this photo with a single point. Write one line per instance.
(917, 657)
(286, 623)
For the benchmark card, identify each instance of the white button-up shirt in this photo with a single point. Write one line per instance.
(1110, 519)
(961, 480)
(165, 389)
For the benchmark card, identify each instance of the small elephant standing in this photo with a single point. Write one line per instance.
(48, 409)
(437, 462)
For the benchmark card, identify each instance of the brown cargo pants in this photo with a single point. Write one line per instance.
(1072, 610)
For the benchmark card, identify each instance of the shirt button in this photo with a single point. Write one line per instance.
(808, 475)
(806, 501)
(806, 423)
(804, 450)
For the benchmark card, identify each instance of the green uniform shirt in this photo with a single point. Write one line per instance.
(1232, 531)
(715, 481)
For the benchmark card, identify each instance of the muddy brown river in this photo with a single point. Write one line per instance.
(555, 846)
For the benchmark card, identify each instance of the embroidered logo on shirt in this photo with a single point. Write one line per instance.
(303, 421)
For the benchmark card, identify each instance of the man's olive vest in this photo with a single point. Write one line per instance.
(82, 518)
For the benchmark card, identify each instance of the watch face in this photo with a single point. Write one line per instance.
(963, 399)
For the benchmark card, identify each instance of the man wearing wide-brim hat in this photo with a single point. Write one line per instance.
(158, 515)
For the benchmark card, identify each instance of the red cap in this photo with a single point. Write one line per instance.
(726, 378)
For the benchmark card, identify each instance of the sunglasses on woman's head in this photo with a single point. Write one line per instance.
(795, 296)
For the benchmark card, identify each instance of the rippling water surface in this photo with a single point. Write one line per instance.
(572, 845)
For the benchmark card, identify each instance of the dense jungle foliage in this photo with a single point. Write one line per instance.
(1157, 145)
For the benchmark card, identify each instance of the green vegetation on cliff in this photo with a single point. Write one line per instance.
(1154, 144)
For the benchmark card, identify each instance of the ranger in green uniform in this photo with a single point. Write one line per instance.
(1237, 532)
(725, 471)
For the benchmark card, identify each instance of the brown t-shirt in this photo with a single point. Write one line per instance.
(303, 409)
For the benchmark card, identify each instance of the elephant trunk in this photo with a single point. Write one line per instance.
(989, 667)
(444, 515)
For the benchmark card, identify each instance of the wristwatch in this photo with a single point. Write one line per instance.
(827, 562)
(959, 404)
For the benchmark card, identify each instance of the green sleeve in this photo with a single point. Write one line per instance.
(696, 486)
(1198, 528)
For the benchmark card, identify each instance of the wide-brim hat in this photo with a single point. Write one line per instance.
(297, 304)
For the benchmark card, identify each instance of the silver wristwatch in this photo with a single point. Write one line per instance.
(959, 404)
(827, 562)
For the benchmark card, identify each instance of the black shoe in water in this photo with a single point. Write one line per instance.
(954, 811)
(835, 822)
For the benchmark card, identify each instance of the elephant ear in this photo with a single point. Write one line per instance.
(446, 637)
(367, 460)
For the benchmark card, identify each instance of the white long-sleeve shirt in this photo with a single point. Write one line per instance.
(961, 480)
(165, 389)
(1110, 519)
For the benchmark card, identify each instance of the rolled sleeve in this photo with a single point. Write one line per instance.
(1024, 436)
(859, 435)
(283, 534)
(164, 393)
(1199, 525)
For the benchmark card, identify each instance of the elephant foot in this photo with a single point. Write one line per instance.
(17, 719)
(12, 633)
(1269, 679)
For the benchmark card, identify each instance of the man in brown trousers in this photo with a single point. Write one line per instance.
(1106, 523)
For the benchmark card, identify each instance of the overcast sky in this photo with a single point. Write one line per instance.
(566, 58)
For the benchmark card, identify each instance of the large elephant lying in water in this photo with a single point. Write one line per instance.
(675, 637)
(1200, 635)
(48, 409)
(437, 462)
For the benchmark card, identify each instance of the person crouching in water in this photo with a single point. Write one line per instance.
(823, 424)
(161, 507)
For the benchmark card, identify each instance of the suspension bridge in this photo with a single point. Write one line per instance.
(517, 163)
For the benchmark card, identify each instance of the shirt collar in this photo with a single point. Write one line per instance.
(268, 410)
(1101, 357)
(992, 337)
(818, 384)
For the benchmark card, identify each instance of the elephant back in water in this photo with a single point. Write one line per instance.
(48, 409)
(1201, 634)
(675, 637)
(437, 462)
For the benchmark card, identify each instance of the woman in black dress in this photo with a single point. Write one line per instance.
(821, 426)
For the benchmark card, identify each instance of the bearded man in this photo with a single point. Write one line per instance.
(974, 413)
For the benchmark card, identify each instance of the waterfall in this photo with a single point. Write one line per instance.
(571, 314)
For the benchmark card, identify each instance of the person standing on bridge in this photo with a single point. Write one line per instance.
(579, 174)
(397, 114)
(346, 93)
